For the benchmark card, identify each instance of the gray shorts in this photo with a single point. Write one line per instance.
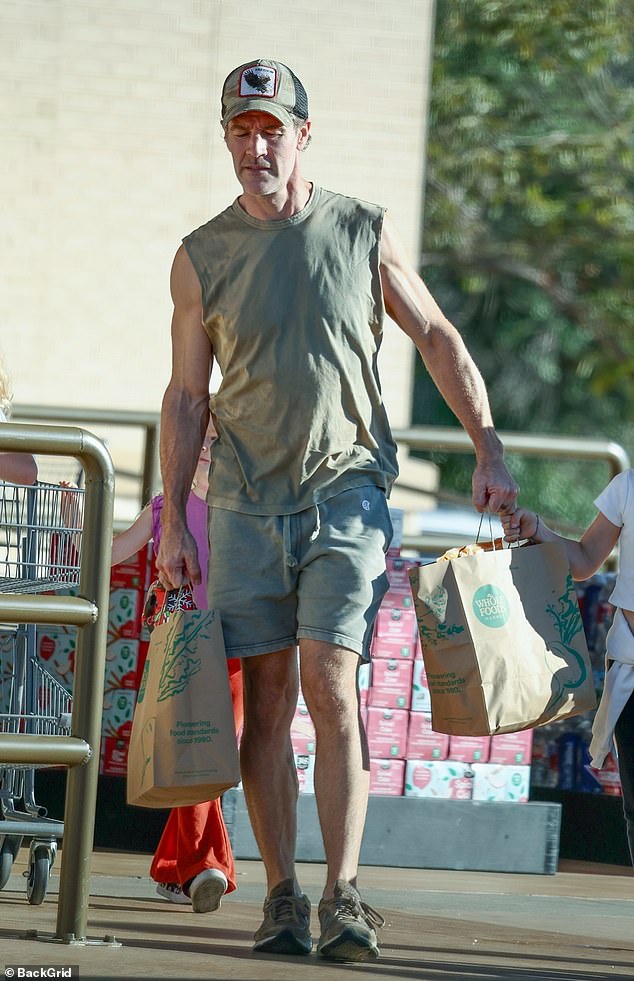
(318, 574)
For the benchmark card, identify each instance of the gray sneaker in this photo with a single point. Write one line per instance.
(347, 926)
(286, 925)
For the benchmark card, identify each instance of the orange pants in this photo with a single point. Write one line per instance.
(195, 837)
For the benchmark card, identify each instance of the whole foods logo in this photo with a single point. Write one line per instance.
(491, 606)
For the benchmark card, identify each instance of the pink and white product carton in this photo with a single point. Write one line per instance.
(397, 568)
(438, 778)
(303, 735)
(56, 652)
(305, 766)
(469, 749)
(397, 517)
(397, 599)
(418, 649)
(422, 742)
(124, 614)
(394, 633)
(122, 664)
(113, 761)
(391, 683)
(387, 733)
(500, 782)
(118, 710)
(134, 572)
(421, 699)
(364, 680)
(512, 747)
(387, 777)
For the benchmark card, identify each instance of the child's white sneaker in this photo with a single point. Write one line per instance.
(172, 892)
(207, 889)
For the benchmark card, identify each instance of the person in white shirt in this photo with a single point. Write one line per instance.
(613, 727)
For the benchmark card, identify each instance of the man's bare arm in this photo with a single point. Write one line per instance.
(184, 417)
(410, 304)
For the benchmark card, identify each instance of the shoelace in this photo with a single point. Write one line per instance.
(285, 907)
(348, 908)
(372, 915)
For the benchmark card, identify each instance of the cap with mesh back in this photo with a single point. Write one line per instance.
(264, 86)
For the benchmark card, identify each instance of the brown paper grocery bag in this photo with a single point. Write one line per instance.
(183, 747)
(503, 641)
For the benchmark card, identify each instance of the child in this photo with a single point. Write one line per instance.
(18, 468)
(193, 860)
(614, 720)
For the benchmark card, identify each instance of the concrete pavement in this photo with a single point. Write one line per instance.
(576, 925)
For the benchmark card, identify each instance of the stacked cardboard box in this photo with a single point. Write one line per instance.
(390, 696)
(125, 656)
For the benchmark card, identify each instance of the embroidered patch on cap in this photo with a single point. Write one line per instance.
(258, 80)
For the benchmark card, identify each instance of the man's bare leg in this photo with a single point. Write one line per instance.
(267, 763)
(271, 786)
(342, 776)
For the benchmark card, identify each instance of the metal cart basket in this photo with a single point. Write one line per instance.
(40, 550)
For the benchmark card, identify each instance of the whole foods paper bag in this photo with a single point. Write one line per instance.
(183, 747)
(502, 639)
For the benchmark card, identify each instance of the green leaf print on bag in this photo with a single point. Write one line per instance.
(143, 682)
(180, 665)
(437, 601)
(147, 739)
(567, 620)
(436, 632)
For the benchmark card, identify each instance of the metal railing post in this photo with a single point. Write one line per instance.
(150, 463)
(89, 611)
(90, 665)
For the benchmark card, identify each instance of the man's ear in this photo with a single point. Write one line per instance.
(303, 135)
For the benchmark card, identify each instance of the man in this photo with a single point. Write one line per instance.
(287, 289)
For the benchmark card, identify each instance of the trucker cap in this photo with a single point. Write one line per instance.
(264, 86)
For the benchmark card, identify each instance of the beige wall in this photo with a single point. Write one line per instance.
(112, 151)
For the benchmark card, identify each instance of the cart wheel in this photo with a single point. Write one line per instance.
(8, 851)
(37, 878)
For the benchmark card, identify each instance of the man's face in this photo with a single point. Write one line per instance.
(264, 151)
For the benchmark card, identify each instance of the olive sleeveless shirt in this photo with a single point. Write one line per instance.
(294, 312)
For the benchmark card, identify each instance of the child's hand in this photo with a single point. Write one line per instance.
(70, 505)
(519, 524)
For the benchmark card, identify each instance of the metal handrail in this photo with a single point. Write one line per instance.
(88, 611)
(147, 421)
(448, 438)
(529, 444)
(455, 440)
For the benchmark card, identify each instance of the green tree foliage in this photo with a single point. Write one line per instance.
(529, 220)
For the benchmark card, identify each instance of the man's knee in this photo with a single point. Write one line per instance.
(328, 671)
(270, 691)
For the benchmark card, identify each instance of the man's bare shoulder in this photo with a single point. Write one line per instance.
(392, 245)
(184, 282)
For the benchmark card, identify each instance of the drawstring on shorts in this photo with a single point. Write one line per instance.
(315, 534)
(291, 561)
(289, 558)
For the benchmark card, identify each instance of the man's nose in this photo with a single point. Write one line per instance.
(257, 145)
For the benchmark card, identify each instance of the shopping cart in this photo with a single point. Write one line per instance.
(40, 552)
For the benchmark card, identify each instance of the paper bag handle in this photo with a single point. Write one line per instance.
(495, 544)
